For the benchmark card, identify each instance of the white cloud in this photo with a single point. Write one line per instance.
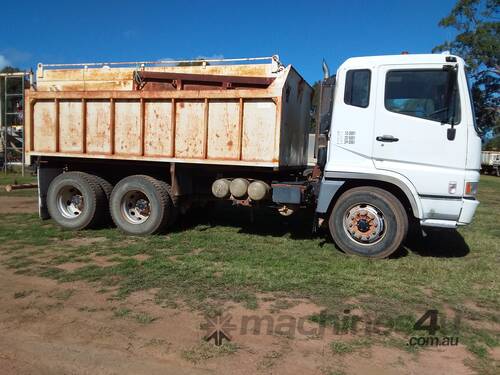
(16, 56)
(213, 57)
(3, 62)
(166, 61)
(199, 57)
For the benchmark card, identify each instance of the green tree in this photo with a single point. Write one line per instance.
(493, 144)
(9, 69)
(478, 42)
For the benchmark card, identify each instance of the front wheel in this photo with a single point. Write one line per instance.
(369, 222)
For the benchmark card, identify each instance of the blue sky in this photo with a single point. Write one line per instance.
(302, 33)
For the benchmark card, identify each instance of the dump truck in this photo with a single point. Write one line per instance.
(395, 145)
(490, 162)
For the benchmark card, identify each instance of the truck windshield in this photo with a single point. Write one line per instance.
(469, 89)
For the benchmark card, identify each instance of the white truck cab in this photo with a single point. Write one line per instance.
(405, 123)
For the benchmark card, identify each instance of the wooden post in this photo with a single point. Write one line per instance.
(9, 188)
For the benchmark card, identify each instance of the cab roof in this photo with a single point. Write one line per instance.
(402, 59)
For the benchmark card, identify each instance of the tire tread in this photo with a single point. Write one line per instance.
(97, 195)
(394, 204)
(166, 202)
(106, 188)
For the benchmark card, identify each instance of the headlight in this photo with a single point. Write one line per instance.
(471, 188)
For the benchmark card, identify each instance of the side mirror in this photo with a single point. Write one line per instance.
(450, 89)
(451, 133)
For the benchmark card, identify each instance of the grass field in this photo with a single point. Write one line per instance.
(217, 256)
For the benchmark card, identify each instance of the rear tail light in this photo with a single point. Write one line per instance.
(471, 188)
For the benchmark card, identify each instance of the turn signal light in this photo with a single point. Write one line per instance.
(452, 187)
(471, 188)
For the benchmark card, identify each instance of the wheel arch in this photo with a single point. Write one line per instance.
(395, 186)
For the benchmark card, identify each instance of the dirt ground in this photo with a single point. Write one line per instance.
(19, 205)
(48, 327)
(51, 328)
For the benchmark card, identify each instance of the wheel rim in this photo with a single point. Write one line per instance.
(135, 207)
(364, 224)
(70, 202)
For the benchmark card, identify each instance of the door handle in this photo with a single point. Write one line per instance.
(386, 138)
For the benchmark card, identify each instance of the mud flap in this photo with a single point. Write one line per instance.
(327, 190)
(45, 177)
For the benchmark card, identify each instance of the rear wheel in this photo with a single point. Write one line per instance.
(368, 221)
(107, 188)
(76, 201)
(141, 205)
(105, 185)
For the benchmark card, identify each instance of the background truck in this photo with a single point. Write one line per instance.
(490, 162)
(395, 144)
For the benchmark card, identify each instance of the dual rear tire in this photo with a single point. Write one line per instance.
(138, 205)
(77, 200)
(142, 205)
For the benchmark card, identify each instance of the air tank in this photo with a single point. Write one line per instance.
(220, 188)
(239, 187)
(258, 190)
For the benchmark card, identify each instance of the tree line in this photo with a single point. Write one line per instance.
(477, 41)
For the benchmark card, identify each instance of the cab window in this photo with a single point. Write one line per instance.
(423, 94)
(357, 88)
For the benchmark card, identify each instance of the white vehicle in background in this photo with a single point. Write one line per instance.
(490, 162)
(395, 146)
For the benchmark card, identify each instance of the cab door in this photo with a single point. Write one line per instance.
(411, 134)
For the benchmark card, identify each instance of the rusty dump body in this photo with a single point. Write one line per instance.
(244, 113)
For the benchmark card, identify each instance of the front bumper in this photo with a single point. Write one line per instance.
(443, 215)
(469, 207)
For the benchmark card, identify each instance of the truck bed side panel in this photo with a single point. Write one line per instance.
(98, 117)
(295, 120)
(70, 126)
(158, 129)
(224, 128)
(259, 139)
(75, 113)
